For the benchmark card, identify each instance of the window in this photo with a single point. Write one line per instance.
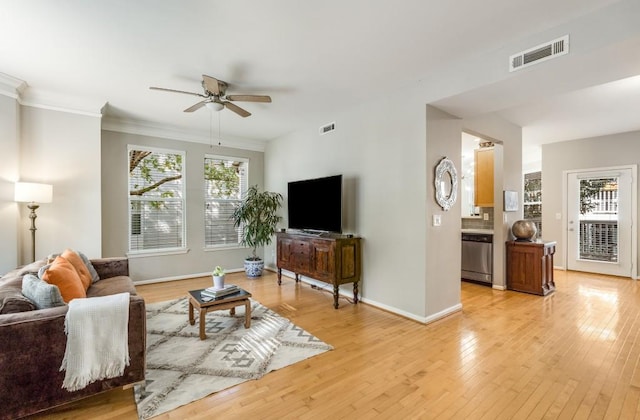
(225, 180)
(156, 199)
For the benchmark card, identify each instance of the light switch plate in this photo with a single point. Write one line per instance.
(437, 220)
(485, 216)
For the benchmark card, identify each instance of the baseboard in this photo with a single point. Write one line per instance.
(183, 277)
(391, 309)
(421, 319)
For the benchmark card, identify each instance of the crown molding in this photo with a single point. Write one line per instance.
(144, 128)
(25, 95)
(56, 102)
(11, 86)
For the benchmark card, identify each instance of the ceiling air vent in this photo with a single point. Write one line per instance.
(546, 51)
(327, 128)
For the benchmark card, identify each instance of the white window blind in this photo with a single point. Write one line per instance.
(156, 199)
(225, 180)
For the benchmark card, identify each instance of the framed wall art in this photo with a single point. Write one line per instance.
(510, 200)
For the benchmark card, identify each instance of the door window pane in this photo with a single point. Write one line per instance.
(599, 219)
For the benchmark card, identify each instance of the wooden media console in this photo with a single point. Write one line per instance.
(331, 258)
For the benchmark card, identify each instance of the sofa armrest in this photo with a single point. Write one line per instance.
(21, 320)
(111, 267)
(33, 346)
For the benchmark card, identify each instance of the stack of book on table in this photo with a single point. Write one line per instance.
(214, 292)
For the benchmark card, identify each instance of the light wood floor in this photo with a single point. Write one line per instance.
(506, 355)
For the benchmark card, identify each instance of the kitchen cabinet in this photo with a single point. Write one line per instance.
(483, 177)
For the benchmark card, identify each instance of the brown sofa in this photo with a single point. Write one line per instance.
(33, 342)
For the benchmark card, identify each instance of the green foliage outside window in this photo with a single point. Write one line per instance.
(150, 171)
(589, 188)
(224, 179)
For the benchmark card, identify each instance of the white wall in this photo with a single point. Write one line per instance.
(443, 247)
(379, 148)
(115, 221)
(9, 173)
(62, 149)
(597, 152)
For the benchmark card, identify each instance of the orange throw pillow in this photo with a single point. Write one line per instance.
(62, 274)
(79, 265)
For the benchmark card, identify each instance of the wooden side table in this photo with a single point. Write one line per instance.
(225, 302)
(530, 267)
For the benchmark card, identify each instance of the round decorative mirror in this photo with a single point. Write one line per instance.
(446, 183)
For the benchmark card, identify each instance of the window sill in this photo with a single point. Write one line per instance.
(223, 248)
(158, 253)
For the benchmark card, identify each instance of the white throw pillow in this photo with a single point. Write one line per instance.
(41, 293)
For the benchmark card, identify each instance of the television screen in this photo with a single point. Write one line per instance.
(316, 204)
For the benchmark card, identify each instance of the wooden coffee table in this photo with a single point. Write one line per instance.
(225, 302)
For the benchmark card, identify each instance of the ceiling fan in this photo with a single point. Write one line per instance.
(215, 96)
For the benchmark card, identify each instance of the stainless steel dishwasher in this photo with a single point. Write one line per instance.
(477, 257)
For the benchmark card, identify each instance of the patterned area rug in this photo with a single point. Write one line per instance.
(181, 368)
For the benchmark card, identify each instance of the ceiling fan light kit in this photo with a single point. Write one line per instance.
(215, 97)
(214, 106)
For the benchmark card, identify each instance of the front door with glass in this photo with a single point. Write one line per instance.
(599, 223)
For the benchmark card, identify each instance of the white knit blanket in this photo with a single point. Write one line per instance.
(97, 340)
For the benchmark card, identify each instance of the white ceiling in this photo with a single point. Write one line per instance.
(310, 57)
(595, 111)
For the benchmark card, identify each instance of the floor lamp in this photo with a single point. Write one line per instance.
(34, 194)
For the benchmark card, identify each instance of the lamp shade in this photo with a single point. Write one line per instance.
(31, 192)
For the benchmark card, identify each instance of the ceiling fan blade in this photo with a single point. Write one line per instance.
(211, 84)
(235, 108)
(195, 107)
(177, 91)
(249, 98)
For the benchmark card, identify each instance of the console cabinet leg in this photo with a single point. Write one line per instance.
(355, 292)
(279, 276)
(335, 296)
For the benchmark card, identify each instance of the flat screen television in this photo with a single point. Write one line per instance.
(316, 204)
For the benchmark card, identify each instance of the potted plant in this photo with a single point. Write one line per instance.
(218, 277)
(258, 219)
